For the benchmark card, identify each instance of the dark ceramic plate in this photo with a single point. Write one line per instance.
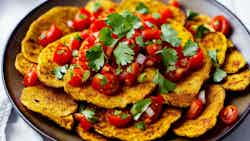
(13, 80)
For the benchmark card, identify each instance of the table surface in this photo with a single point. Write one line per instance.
(17, 128)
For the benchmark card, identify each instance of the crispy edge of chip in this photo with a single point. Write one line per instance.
(44, 100)
(89, 136)
(218, 42)
(106, 4)
(183, 95)
(152, 131)
(22, 64)
(237, 82)
(207, 120)
(46, 65)
(30, 47)
(127, 96)
(234, 62)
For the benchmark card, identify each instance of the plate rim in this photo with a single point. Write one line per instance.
(44, 134)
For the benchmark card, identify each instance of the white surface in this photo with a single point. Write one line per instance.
(12, 11)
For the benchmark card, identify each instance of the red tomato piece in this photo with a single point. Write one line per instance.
(221, 24)
(98, 12)
(85, 124)
(77, 77)
(84, 34)
(107, 69)
(197, 60)
(62, 55)
(152, 49)
(82, 19)
(176, 74)
(91, 40)
(97, 25)
(150, 18)
(150, 34)
(130, 76)
(118, 119)
(51, 35)
(31, 78)
(195, 109)
(175, 3)
(82, 63)
(75, 44)
(165, 14)
(154, 110)
(229, 114)
(152, 60)
(106, 83)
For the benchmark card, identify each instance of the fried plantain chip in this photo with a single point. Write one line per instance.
(234, 62)
(154, 6)
(46, 65)
(126, 96)
(207, 120)
(51, 103)
(152, 131)
(187, 89)
(237, 82)
(216, 41)
(89, 136)
(22, 64)
(57, 15)
(106, 4)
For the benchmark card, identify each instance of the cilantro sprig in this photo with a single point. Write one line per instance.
(105, 36)
(142, 8)
(59, 72)
(165, 85)
(190, 48)
(124, 55)
(169, 58)
(191, 14)
(139, 107)
(201, 31)
(170, 35)
(95, 56)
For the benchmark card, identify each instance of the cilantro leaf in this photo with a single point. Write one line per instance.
(169, 58)
(96, 6)
(164, 85)
(190, 48)
(105, 36)
(142, 8)
(213, 55)
(219, 75)
(139, 41)
(170, 35)
(95, 56)
(201, 31)
(139, 107)
(123, 54)
(156, 15)
(191, 14)
(86, 75)
(130, 33)
(59, 72)
(90, 115)
(140, 125)
(103, 78)
(142, 77)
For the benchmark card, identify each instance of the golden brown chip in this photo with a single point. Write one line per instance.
(216, 41)
(106, 4)
(234, 62)
(154, 6)
(237, 82)
(188, 88)
(126, 96)
(57, 15)
(152, 131)
(89, 136)
(230, 44)
(46, 65)
(52, 103)
(208, 119)
(22, 64)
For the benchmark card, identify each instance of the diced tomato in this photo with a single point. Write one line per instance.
(82, 19)
(175, 3)
(31, 78)
(165, 14)
(176, 74)
(197, 60)
(152, 60)
(82, 63)
(85, 124)
(106, 83)
(62, 55)
(77, 77)
(114, 36)
(229, 114)
(221, 24)
(150, 18)
(179, 51)
(98, 12)
(119, 119)
(108, 50)
(51, 35)
(150, 34)
(152, 49)
(107, 69)
(130, 76)
(154, 110)
(97, 25)
(84, 34)
(78, 116)
(75, 44)
(183, 63)
(91, 40)
(195, 109)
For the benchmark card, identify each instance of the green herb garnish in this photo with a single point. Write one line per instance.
(142, 77)
(139, 107)
(59, 72)
(95, 56)
(139, 41)
(90, 115)
(86, 75)
(169, 58)
(140, 125)
(190, 48)
(165, 85)
(103, 78)
(201, 31)
(219, 75)
(170, 35)
(123, 54)
(191, 14)
(142, 8)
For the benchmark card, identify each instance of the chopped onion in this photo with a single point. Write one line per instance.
(70, 23)
(150, 112)
(202, 96)
(141, 59)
